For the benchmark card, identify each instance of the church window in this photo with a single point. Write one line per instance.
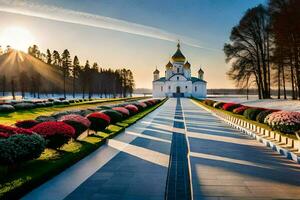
(161, 88)
(177, 70)
(195, 88)
(169, 87)
(177, 78)
(185, 87)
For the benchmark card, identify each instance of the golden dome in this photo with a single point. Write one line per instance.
(169, 65)
(178, 56)
(187, 65)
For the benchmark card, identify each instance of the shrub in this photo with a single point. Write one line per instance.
(57, 102)
(251, 113)
(85, 112)
(45, 119)
(26, 124)
(65, 102)
(4, 135)
(209, 102)
(139, 107)
(123, 111)
(14, 130)
(240, 110)
(20, 148)
(230, 106)
(57, 115)
(6, 108)
(48, 104)
(21, 106)
(50, 100)
(104, 107)
(143, 104)
(71, 101)
(132, 109)
(149, 103)
(262, 115)
(284, 121)
(40, 104)
(61, 98)
(55, 133)
(78, 122)
(218, 104)
(99, 121)
(115, 116)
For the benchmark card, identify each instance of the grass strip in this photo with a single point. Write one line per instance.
(14, 184)
(12, 118)
(242, 117)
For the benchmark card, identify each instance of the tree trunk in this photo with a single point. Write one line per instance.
(283, 83)
(13, 89)
(278, 82)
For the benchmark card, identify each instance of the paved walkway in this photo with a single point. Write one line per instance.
(149, 161)
(228, 165)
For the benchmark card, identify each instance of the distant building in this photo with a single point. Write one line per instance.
(178, 81)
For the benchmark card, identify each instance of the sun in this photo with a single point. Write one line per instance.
(18, 38)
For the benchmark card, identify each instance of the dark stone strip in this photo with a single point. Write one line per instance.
(178, 182)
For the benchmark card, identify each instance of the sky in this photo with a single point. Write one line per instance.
(136, 34)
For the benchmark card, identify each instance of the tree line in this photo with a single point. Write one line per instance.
(69, 76)
(264, 49)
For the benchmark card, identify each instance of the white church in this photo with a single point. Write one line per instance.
(178, 81)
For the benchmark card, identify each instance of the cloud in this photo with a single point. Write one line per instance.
(70, 16)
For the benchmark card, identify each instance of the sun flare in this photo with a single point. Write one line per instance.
(18, 38)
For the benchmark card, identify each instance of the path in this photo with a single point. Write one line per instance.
(148, 161)
(228, 165)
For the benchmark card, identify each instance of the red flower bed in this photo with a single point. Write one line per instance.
(77, 118)
(56, 133)
(26, 124)
(240, 110)
(14, 130)
(99, 121)
(143, 104)
(78, 122)
(122, 110)
(4, 135)
(230, 106)
(132, 109)
(148, 103)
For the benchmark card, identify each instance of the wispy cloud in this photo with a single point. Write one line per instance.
(28, 8)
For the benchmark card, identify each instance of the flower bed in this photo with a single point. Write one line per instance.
(283, 121)
(251, 113)
(123, 111)
(19, 148)
(114, 115)
(78, 122)
(99, 121)
(218, 104)
(55, 133)
(26, 124)
(240, 110)
(132, 109)
(230, 106)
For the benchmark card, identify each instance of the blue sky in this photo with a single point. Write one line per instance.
(206, 23)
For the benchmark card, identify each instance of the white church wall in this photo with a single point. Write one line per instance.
(199, 89)
(178, 78)
(158, 89)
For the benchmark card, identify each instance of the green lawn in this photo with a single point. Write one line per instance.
(11, 118)
(265, 126)
(15, 184)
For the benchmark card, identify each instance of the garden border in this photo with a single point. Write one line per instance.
(22, 190)
(283, 145)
